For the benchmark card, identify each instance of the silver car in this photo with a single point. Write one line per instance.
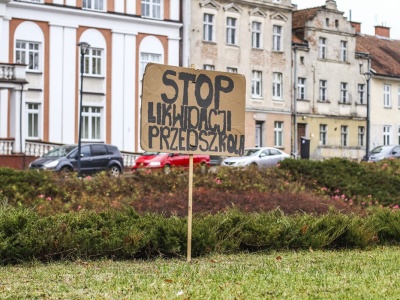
(382, 152)
(257, 157)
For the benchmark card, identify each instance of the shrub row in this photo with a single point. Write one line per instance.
(25, 236)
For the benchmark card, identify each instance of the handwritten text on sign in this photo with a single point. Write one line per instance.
(192, 111)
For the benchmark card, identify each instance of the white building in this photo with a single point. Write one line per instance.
(40, 57)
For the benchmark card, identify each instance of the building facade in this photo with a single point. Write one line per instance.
(250, 38)
(385, 85)
(42, 35)
(329, 105)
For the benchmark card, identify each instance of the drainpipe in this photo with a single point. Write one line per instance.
(295, 103)
(20, 124)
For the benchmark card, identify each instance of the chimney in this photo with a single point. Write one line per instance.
(382, 31)
(356, 25)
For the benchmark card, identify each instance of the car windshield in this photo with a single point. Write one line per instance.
(59, 152)
(250, 152)
(381, 149)
(152, 153)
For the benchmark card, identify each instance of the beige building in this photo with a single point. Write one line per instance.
(330, 90)
(252, 38)
(385, 85)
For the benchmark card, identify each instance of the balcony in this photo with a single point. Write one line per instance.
(12, 75)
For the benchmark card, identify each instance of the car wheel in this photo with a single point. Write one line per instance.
(253, 166)
(167, 169)
(65, 170)
(203, 168)
(114, 171)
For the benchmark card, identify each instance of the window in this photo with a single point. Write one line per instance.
(33, 120)
(343, 93)
(387, 133)
(231, 70)
(277, 38)
(322, 134)
(327, 22)
(386, 95)
(91, 123)
(343, 51)
(278, 134)
(208, 27)
(337, 23)
(92, 65)
(398, 135)
(27, 53)
(231, 31)
(146, 58)
(256, 84)
(361, 94)
(151, 9)
(322, 48)
(93, 4)
(361, 134)
(323, 90)
(256, 35)
(277, 85)
(209, 67)
(259, 134)
(301, 88)
(398, 96)
(344, 136)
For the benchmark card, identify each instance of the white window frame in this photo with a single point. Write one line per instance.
(99, 5)
(146, 58)
(92, 121)
(93, 62)
(209, 67)
(361, 135)
(323, 88)
(231, 31)
(28, 53)
(278, 134)
(323, 133)
(33, 120)
(208, 27)
(256, 84)
(344, 93)
(344, 135)
(256, 40)
(322, 48)
(398, 96)
(398, 134)
(152, 9)
(259, 134)
(231, 70)
(277, 86)
(387, 134)
(301, 88)
(343, 51)
(386, 95)
(277, 38)
(361, 93)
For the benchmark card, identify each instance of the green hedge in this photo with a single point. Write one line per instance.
(25, 236)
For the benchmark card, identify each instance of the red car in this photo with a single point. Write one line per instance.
(167, 161)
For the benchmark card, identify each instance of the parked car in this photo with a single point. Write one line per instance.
(167, 161)
(382, 152)
(256, 157)
(94, 158)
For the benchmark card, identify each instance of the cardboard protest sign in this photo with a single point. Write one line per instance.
(192, 111)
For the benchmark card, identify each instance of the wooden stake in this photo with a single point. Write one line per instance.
(190, 203)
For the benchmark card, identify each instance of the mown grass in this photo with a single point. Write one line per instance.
(370, 274)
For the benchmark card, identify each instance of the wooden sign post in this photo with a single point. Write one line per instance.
(190, 111)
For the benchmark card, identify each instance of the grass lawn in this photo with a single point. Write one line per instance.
(370, 274)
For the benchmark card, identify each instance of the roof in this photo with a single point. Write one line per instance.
(384, 52)
(300, 17)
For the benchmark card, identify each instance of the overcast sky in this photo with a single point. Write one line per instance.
(368, 12)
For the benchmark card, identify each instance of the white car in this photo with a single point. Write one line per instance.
(257, 157)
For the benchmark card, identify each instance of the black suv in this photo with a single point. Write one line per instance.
(94, 158)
